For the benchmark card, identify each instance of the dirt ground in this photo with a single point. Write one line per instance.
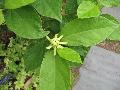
(113, 46)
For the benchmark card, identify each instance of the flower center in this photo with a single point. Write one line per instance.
(55, 43)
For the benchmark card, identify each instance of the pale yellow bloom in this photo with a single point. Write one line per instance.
(55, 43)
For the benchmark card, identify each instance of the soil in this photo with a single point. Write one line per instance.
(113, 46)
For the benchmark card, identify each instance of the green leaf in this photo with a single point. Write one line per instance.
(4, 87)
(1, 17)
(69, 11)
(25, 22)
(116, 34)
(110, 3)
(87, 32)
(88, 9)
(13, 4)
(49, 8)
(1, 4)
(70, 7)
(67, 18)
(80, 1)
(81, 50)
(54, 74)
(51, 25)
(111, 18)
(34, 55)
(69, 54)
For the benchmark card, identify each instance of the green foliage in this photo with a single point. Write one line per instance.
(1, 4)
(80, 1)
(13, 4)
(87, 32)
(116, 34)
(88, 9)
(54, 74)
(49, 8)
(70, 7)
(110, 3)
(13, 54)
(71, 27)
(4, 87)
(1, 17)
(51, 25)
(111, 18)
(81, 50)
(27, 18)
(34, 55)
(69, 54)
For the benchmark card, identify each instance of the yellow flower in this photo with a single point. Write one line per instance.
(55, 43)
